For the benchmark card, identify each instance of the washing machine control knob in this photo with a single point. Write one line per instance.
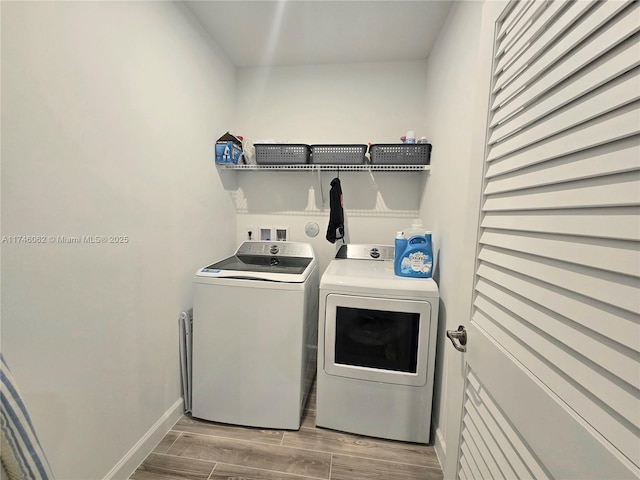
(374, 253)
(274, 249)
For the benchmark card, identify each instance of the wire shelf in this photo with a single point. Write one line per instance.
(332, 168)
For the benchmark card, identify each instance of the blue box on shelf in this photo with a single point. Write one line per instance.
(228, 149)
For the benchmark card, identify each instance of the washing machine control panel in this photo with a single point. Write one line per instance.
(285, 249)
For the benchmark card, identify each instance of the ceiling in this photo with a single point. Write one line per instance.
(296, 32)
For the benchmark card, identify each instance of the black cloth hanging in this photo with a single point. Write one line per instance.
(336, 214)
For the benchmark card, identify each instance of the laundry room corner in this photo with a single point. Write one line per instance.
(444, 204)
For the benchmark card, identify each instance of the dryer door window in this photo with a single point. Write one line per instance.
(377, 339)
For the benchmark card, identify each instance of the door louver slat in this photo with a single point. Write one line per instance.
(535, 50)
(618, 223)
(618, 125)
(534, 126)
(537, 28)
(597, 162)
(609, 255)
(520, 28)
(617, 359)
(570, 39)
(517, 10)
(615, 290)
(614, 52)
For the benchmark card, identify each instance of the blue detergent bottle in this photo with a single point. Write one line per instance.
(400, 246)
(416, 258)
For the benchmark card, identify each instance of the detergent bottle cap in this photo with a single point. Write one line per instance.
(400, 235)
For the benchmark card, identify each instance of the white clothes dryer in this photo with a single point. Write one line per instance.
(255, 335)
(376, 347)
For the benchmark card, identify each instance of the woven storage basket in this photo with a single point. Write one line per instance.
(338, 154)
(401, 154)
(282, 154)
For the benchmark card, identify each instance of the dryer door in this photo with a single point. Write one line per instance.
(377, 339)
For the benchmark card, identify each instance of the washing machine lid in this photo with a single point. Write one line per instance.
(356, 271)
(288, 262)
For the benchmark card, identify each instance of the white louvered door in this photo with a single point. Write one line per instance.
(552, 386)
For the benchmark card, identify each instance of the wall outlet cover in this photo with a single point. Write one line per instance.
(281, 234)
(265, 234)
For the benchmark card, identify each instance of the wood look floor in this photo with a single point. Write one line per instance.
(195, 449)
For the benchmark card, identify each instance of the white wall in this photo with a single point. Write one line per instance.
(352, 103)
(450, 106)
(355, 103)
(109, 110)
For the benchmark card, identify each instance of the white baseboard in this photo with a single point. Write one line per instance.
(134, 457)
(440, 447)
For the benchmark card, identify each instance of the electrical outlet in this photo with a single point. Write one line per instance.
(282, 234)
(265, 234)
(274, 234)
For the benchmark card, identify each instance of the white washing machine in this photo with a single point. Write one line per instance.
(376, 347)
(255, 335)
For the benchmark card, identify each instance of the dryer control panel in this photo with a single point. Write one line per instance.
(365, 252)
